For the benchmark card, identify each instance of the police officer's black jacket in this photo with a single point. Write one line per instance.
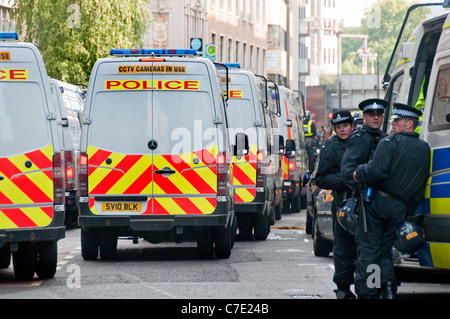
(360, 148)
(328, 175)
(400, 168)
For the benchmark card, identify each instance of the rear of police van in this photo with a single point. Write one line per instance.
(31, 178)
(69, 102)
(294, 160)
(154, 154)
(245, 114)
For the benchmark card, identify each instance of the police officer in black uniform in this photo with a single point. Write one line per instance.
(363, 141)
(328, 176)
(397, 174)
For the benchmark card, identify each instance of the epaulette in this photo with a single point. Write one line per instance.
(328, 141)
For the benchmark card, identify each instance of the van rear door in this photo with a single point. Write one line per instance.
(153, 144)
(26, 147)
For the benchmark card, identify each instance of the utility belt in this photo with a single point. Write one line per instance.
(386, 195)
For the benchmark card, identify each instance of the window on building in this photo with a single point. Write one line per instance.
(244, 55)
(238, 8)
(276, 37)
(237, 57)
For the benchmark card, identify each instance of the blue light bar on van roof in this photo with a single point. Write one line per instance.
(8, 36)
(232, 65)
(152, 52)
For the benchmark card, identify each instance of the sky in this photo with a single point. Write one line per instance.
(352, 11)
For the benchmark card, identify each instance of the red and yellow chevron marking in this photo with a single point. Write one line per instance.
(328, 196)
(285, 167)
(134, 175)
(244, 176)
(31, 187)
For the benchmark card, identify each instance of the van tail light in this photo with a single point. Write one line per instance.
(58, 180)
(222, 174)
(291, 169)
(69, 168)
(83, 175)
(260, 170)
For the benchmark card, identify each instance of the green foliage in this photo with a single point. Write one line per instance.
(73, 34)
(382, 23)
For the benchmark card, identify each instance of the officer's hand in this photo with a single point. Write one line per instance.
(355, 177)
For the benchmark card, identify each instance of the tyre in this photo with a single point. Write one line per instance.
(108, 244)
(223, 242)
(89, 244)
(261, 227)
(47, 259)
(245, 225)
(322, 247)
(205, 243)
(24, 261)
(5, 257)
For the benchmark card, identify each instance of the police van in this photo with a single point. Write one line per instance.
(69, 102)
(419, 75)
(155, 154)
(295, 159)
(256, 176)
(31, 163)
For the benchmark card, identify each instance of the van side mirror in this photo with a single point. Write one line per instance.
(290, 147)
(279, 144)
(241, 147)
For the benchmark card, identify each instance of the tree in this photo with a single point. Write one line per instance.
(73, 34)
(382, 23)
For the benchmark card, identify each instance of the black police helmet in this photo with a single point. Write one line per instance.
(410, 238)
(346, 216)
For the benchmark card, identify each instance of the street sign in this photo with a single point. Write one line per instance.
(210, 50)
(197, 44)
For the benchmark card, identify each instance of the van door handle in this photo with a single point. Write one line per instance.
(165, 170)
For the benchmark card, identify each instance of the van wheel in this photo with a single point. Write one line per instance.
(261, 227)
(47, 259)
(245, 225)
(24, 261)
(233, 231)
(205, 243)
(295, 204)
(89, 244)
(278, 210)
(108, 244)
(5, 257)
(322, 247)
(223, 242)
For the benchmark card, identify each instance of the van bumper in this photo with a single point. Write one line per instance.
(256, 207)
(149, 223)
(53, 232)
(291, 188)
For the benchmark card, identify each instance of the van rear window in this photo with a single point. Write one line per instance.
(23, 125)
(124, 122)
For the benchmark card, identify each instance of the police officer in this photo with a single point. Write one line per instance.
(397, 174)
(328, 176)
(310, 132)
(363, 141)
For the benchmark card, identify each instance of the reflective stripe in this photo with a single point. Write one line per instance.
(26, 190)
(134, 174)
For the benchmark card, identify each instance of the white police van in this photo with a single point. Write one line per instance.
(31, 163)
(295, 159)
(155, 154)
(69, 101)
(250, 110)
(419, 75)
